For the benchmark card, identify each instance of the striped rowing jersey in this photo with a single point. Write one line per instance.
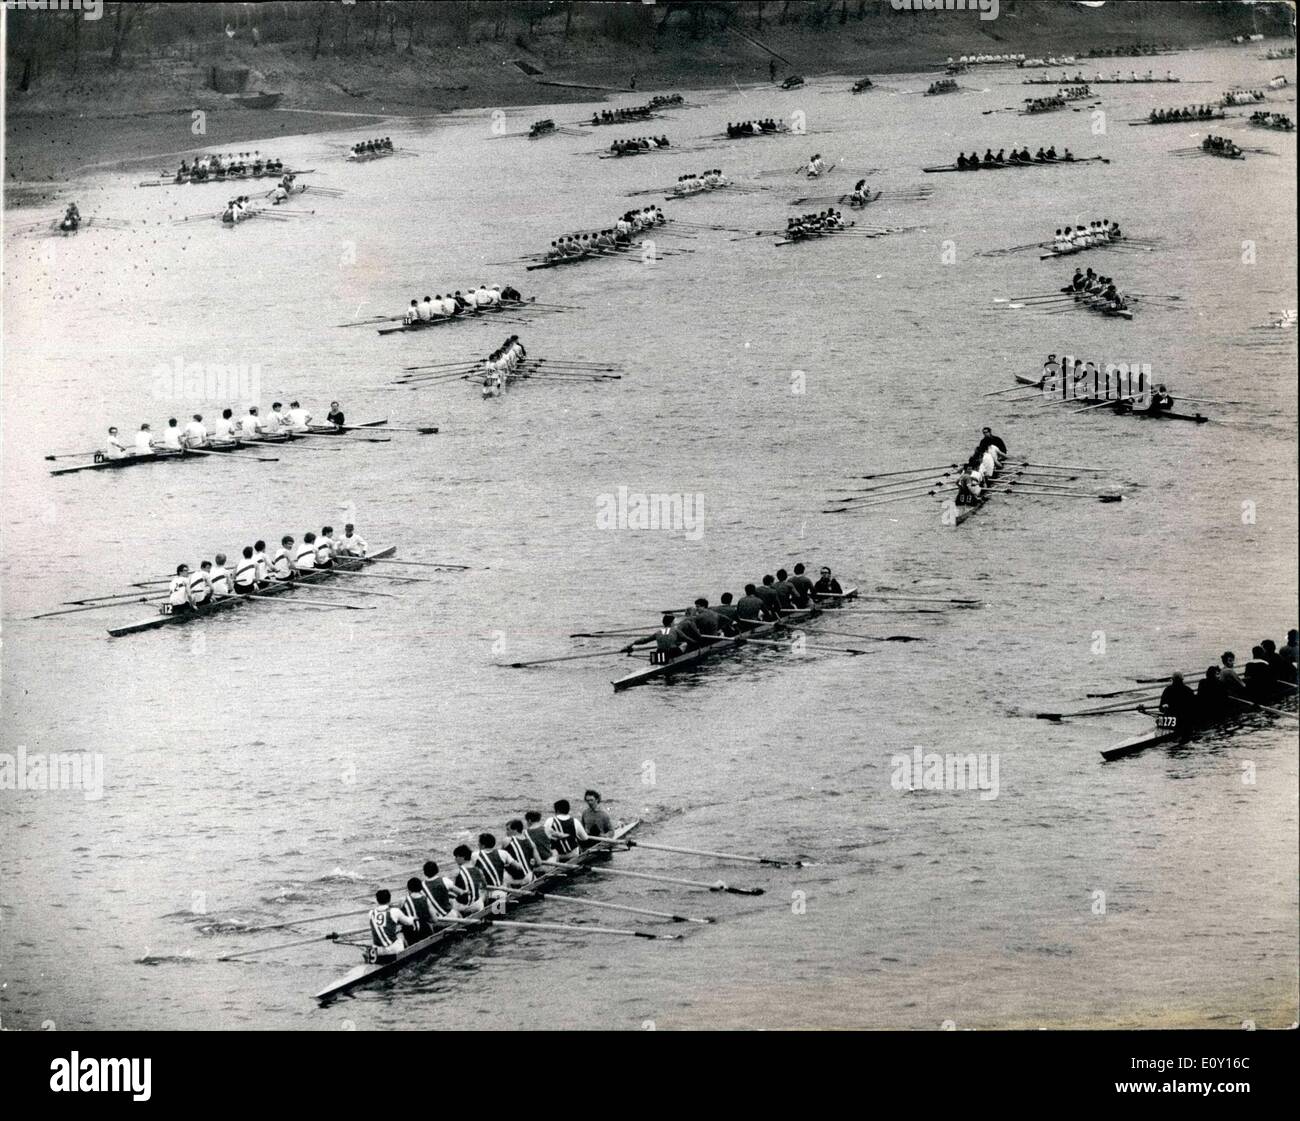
(246, 572)
(419, 909)
(565, 833)
(439, 897)
(263, 566)
(306, 557)
(385, 927)
(200, 585)
(324, 551)
(521, 851)
(176, 593)
(467, 884)
(221, 581)
(491, 867)
(282, 565)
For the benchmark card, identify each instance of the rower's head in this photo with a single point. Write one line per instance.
(667, 619)
(1269, 645)
(430, 868)
(383, 897)
(750, 589)
(112, 431)
(308, 538)
(1228, 658)
(1177, 679)
(226, 414)
(286, 541)
(415, 886)
(487, 841)
(1256, 651)
(781, 574)
(562, 806)
(533, 817)
(768, 581)
(1291, 637)
(416, 303)
(349, 528)
(259, 546)
(248, 552)
(1212, 673)
(252, 409)
(327, 531)
(144, 427)
(462, 854)
(182, 569)
(514, 827)
(276, 406)
(592, 798)
(826, 572)
(725, 597)
(701, 602)
(334, 404)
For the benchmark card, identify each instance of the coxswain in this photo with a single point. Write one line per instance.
(510, 295)
(1161, 401)
(565, 832)
(351, 545)
(1178, 701)
(144, 444)
(387, 924)
(989, 440)
(71, 218)
(280, 193)
(113, 446)
(335, 416)
(196, 432)
(179, 599)
(246, 573)
(466, 886)
(282, 563)
(594, 819)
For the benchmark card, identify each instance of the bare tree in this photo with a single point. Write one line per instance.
(125, 17)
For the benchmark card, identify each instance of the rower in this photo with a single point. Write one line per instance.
(467, 885)
(496, 866)
(784, 589)
(179, 599)
(220, 578)
(1228, 674)
(277, 420)
(1275, 662)
(246, 573)
(1261, 681)
(224, 429)
(771, 600)
(1212, 698)
(423, 312)
(729, 613)
(282, 566)
(351, 545)
(538, 836)
(708, 622)
(801, 588)
(196, 433)
(387, 924)
(144, 441)
(250, 424)
(418, 907)
(325, 547)
(113, 446)
(412, 313)
(437, 891)
(815, 167)
(305, 558)
(1161, 401)
(299, 418)
(335, 416)
(594, 819)
(666, 639)
(751, 610)
(566, 834)
(519, 847)
(1178, 701)
(1289, 654)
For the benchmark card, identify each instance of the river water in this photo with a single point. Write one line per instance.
(272, 762)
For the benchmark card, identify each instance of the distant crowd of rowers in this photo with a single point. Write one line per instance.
(943, 85)
(979, 470)
(500, 364)
(638, 144)
(71, 218)
(1017, 156)
(1046, 104)
(811, 225)
(619, 116)
(192, 589)
(1133, 76)
(473, 300)
(1242, 97)
(694, 184)
(1220, 145)
(226, 430)
(1101, 232)
(1223, 692)
(1187, 113)
(861, 195)
(539, 128)
(661, 100)
(1278, 121)
(1101, 288)
(766, 602)
(753, 128)
(483, 876)
(238, 209)
(378, 146)
(227, 167)
(1081, 373)
(618, 236)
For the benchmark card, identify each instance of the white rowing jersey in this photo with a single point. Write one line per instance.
(250, 424)
(114, 448)
(196, 433)
(306, 557)
(143, 442)
(200, 585)
(224, 428)
(221, 583)
(246, 572)
(171, 438)
(351, 546)
(282, 565)
(177, 593)
(425, 310)
(263, 566)
(324, 551)
(299, 419)
(276, 421)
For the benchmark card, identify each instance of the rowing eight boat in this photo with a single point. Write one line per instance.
(421, 324)
(371, 971)
(1169, 728)
(1078, 249)
(319, 576)
(1091, 303)
(1123, 408)
(1009, 163)
(692, 658)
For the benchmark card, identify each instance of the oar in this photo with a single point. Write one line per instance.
(790, 645)
(93, 607)
(73, 455)
(716, 885)
(1017, 388)
(333, 936)
(565, 658)
(426, 431)
(909, 471)
(299, 602)
(770, 860)
(301, 922)
(578, 901)
(872, 637)
(563, 928)
(384, 576)
(1263, 708)
(1102, 404)
(920, 599)
(1062, 466)
(422, 564)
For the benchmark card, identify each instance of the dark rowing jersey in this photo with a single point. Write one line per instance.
(828, 586)
(597, 823)
(385, 929)
(563, 832)
(803, 589)
(419, 910)
(467, 885)
(771, 601)
(991, 442)
(1177, 700)
(784, 592)
(750, 608)
(706, 621)
(337, 419)
(728, 613)
(438, 896)
(541, 842)
(521, 851)
(491, 867)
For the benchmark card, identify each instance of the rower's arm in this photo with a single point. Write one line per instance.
(640, 642)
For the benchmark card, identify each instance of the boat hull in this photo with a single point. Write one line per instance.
(1117, 410)
(318, 577)
(369, 973)
(694, 658)
(1169, 729)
